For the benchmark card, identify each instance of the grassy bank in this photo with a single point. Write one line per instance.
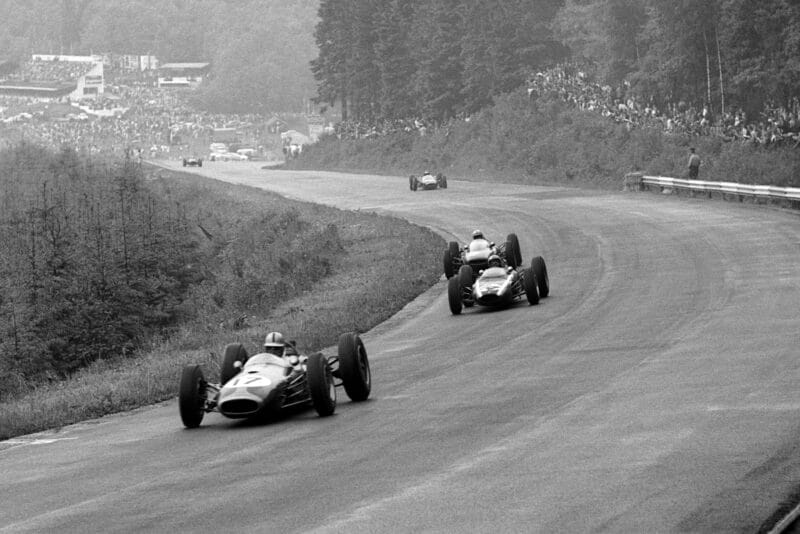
(358, 287)
(549, 142)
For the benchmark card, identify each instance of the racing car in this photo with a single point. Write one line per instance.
(499, 285)
(192, 162)
(265, 384)
(477, 252)
(427, 181)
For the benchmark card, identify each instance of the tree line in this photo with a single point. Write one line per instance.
(98, 258)
(441, 58)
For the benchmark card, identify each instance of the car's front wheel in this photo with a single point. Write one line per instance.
(454, 293)
(234, 352)
(192, 396)
(529, 283)
(354, 367)
(321, 387)
(539, 269)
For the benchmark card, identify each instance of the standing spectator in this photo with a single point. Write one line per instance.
(694, 164)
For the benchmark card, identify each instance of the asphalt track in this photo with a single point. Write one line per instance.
(655, 390)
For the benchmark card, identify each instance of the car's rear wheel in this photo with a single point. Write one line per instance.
(450, 254)
(529, 283)
(234, 352)
(539, 269)
(354, 367)
(513, 254)
(320, 384)
(454, 294)
(191, 396)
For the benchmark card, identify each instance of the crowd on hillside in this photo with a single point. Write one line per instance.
(39, 70)
(776, 125)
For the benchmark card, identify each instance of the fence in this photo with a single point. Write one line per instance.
(637, 181)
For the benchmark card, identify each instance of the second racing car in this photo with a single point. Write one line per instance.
(427, 181)
(498, 285)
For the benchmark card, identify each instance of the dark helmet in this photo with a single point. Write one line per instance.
(274, 343)
(495, 261)
(477, 234)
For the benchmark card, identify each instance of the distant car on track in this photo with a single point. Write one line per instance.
(427, 181)
(499, 285)
(192, 162)
(264, 384)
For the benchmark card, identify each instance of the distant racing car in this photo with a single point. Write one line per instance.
(427, 181)
(264, 384)
(476, 253)
(192, 162)
(498, 285)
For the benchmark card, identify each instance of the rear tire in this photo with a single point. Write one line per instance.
(513, 254)
(454, 293)
(531, 289)
(191, 396)
(320, 384)
(450, 254)
(539, 269)
(354, 367)
(234, 352)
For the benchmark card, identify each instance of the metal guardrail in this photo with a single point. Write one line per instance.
(637, 181)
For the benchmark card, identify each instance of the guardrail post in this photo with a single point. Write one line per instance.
(632, 181)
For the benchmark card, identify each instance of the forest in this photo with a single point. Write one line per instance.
(439, 59)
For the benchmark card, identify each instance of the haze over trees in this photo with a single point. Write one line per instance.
(259, 50)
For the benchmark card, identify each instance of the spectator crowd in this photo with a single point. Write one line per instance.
(776, 125)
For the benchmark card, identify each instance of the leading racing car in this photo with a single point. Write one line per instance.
(477, 252)
(264, 384)
(427, 181)
(498, 285)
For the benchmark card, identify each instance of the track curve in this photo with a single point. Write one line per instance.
(653, 391)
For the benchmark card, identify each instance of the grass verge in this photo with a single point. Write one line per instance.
(384, 264)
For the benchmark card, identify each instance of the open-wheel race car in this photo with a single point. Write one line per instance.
(264, 384)
(427, 181)
(477, 252)
(192, 162)
(498, 285)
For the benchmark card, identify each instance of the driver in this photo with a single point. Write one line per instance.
(495, 261)
(479, 241)
(276, 345)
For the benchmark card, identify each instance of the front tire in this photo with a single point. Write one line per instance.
(513, 254)
(454, 293)
(354, 367)
(531, 289)
(234, 352)
(539, 269)
(412, 182)
(191, 396)
(320, 384)
(465, 276)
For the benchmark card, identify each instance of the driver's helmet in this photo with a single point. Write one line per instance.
(495, 261)
(274, 344)
(426, 172)
(477, 234)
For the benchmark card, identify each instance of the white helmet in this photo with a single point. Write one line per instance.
(274, 339)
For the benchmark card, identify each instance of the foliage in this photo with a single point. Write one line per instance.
(361, 288)
(523, 141)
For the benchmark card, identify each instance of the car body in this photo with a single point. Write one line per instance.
(264, 384)
(476, 254)
(427, 181)
(192, 162)
(498, 286)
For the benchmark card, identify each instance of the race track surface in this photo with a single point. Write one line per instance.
(655, 390)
